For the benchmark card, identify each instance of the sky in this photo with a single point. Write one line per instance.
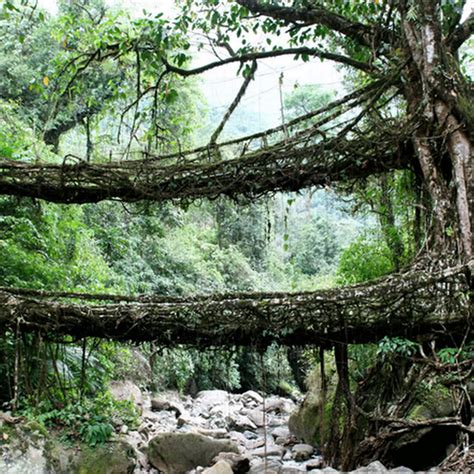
(220, 85)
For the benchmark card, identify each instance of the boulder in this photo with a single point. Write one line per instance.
(114, 458)
(281, 432)
(251, 396)
(126, 390)
(185, 419)
(255, 443)
(282, 441)
(316, 463)
(16, 461)
(176, 453)
(432, 401)
(278, 405)
(375, 466)
(221, 467)
(240, 423)
(239, 463)
(256, 416)
(272, 450)
(238, 437)
(305, 421)
(302, 452)
(250, 435)
(159, 404)
(260, 466)
(212, 398)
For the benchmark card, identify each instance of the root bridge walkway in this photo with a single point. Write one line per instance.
(412, 304)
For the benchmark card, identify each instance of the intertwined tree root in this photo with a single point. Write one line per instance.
(410, 304)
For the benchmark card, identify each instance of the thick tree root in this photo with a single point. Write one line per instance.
(433, 304)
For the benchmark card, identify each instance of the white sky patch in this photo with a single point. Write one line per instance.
(135, 7)
(468, 9)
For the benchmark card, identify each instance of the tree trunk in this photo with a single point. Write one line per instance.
(441, 141)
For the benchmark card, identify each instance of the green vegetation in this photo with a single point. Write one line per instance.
(88, 85)
(89, 421)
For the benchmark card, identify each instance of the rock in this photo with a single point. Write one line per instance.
(272, 450)
(402, 470)
(159, 404)
(255, 443)
(315, 463)
(218, 423)
(282, 441)
(221, 467)
(258, 466)
(211, 398)
(241, 423)
(305, 421)
(219, 410)
(180, 452)
(217, 434)
(250, 434)
(238, 437)
(282, 435)
(184, 420)
(256, 416)
(375, 466)
(287, 456)
(18, 462)
(302, 452)
(133, 438)
(114, 458)
(273, 421)
(250, 396)
(61, 458)
(126, 390)
(277, 405)
(281, 432)
(239, 463)
(124, 429)
(155, 422)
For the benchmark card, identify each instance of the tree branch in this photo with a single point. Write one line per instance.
(273, 54)
(234, 104)
(363, 34)
(462, 33)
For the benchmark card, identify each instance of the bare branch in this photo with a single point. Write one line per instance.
(273, 54)
(234, 104)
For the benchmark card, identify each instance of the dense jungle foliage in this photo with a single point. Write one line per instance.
(306, 241)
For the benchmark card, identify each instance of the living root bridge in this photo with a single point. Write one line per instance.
(408, 305)
(253, 174)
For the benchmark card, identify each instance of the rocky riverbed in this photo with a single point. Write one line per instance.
(228, 432)
(215, 433)
(252, 429)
